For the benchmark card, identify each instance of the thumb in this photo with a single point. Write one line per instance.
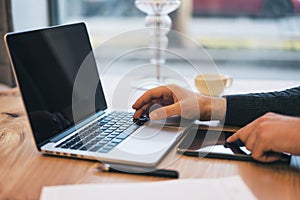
(164, 112)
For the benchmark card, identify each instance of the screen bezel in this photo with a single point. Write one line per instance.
(9, 37)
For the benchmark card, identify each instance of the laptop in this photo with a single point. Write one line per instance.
(46, 63)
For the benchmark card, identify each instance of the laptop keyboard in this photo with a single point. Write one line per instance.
(103, 135)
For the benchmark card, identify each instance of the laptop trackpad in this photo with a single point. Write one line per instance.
(150, 139)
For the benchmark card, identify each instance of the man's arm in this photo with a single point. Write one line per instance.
(243, 109)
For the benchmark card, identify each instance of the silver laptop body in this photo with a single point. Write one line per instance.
(46, 62)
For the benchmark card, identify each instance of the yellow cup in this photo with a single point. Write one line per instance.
(212, 84)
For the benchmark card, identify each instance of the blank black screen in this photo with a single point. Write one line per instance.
(46, 63)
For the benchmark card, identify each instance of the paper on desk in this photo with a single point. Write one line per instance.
(221, 188)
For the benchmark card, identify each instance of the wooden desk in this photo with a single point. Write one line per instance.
(24, 171)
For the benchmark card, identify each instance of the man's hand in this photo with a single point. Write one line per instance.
(166, 101)
(270, 135)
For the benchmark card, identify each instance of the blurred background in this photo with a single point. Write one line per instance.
(247, 39)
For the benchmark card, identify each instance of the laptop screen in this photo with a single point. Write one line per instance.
(46, 63)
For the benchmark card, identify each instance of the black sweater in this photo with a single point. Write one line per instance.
(242, 109)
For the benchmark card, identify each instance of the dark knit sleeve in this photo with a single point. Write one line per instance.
(244, 108)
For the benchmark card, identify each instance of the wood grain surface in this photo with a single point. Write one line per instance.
(24, 171)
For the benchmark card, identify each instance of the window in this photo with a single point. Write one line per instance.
(247, 39)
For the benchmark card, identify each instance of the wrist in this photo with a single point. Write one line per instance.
(219, 108)
(214, 108)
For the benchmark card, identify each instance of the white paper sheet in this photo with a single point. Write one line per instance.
(189, 189)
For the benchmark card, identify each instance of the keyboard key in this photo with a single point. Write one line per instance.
(76, 146)
(109, 131)
(88, 145)
(118, 131)
(104, 150)
(131, 129)
(102, 143)
(96, 147)
(114, 134)
(122, 136)
(83, 148)
(117, 140)
(113, 144)
(107, 139)
(110, 146)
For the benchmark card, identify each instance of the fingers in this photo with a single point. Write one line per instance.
(142, 111)
(246, 135)
(150, 106)
(159, 113)
(164, 112)
(269, 157)
(243, 133)
(233, 138)
(258, 146)
(261, 153)
(257, 139)
(150, 95)
(250, 141)
(160, 95)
